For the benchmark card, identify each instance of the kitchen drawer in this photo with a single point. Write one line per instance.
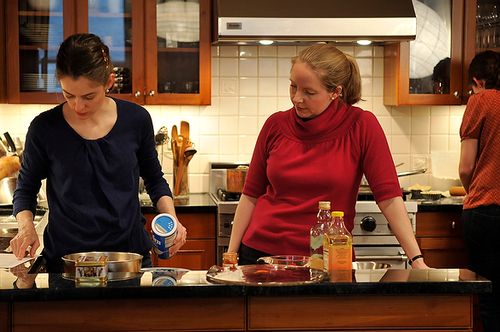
(439, 224)
(194, 255)
(404, 312)
(179, 314)
(200, 225)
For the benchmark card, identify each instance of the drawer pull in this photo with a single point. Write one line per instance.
(453, 225)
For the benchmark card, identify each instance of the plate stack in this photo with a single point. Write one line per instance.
(39, 82)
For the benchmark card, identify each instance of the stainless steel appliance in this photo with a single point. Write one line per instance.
(372, 236)
(320, 20)
(226, 203)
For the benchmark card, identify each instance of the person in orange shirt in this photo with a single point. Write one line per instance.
(479, 171)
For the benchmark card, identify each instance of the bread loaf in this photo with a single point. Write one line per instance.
(9, 165)
(457, 191)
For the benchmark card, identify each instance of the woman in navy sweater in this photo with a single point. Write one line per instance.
(92, 150)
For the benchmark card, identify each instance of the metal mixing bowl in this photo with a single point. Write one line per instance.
(121, 265)
(369, 265)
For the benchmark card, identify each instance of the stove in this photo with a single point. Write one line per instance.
(373, 239)
(226, 204)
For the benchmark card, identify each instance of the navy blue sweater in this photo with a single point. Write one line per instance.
(92, 185)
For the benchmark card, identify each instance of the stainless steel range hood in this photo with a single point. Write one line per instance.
(296, 21)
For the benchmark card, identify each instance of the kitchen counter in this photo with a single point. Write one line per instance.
(194, 283)
(198, 202)
(414, 300)
(446, 204)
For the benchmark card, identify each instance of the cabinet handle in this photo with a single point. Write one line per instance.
(137, 94)
(151, 93)
(453, 225)
(456, 94)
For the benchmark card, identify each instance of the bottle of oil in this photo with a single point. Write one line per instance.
(316, 235)
(337, 245)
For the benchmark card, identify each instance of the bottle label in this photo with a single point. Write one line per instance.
(340, 257)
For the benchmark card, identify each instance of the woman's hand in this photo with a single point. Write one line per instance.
(179, 241)
(26, 240)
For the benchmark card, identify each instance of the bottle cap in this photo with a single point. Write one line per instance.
(337, 213)
(324, 205)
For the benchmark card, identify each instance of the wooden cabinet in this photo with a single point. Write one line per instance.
(440, 237)
(151, 69)
(429, 70)
(373, 312)
(199, 251)
(3, 65)
(475, 26)
(136, 314)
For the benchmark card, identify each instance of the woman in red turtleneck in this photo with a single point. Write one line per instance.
(316, 151)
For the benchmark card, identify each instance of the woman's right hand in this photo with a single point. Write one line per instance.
(26, 241)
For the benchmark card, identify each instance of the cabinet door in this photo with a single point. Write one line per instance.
(427, 70)
(481, 32)
(35, 29)
(199, 251)
(439, 235)
(3, 66)
(119, 23)
(177, 65)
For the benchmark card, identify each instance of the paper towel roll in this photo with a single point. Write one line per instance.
(444, 164)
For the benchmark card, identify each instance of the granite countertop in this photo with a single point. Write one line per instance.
(198, 202)
(43, 286)
(445, 204)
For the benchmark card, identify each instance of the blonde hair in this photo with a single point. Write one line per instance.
(334, 68)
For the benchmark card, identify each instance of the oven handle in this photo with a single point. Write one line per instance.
(388, 258)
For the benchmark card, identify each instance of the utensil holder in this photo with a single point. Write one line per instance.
(181, 183)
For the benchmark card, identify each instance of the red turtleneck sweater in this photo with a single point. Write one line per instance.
(297, 163)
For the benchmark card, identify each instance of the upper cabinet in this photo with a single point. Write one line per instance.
(160, 49)
(432, 70)
(428, 70)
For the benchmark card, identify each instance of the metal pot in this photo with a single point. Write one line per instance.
(235, 178)
(121, 265)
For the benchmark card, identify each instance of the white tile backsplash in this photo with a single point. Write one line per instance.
(249, 83)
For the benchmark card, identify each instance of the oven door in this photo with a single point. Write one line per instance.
(393, 255)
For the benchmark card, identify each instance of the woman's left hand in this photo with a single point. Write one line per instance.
(179, 241)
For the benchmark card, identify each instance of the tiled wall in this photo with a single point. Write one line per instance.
(249, 83)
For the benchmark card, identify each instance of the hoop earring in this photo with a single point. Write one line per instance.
(107, 91)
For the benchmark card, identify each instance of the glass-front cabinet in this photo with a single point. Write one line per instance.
(482, 32)
(160, 49)
(427, 70)
(35, 29)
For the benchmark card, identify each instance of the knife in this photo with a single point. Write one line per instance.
(10, 142)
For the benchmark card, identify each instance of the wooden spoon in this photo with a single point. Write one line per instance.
(185, 129)
(180, 167)
(175, 144)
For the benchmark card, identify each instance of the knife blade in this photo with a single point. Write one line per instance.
(10, 142)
